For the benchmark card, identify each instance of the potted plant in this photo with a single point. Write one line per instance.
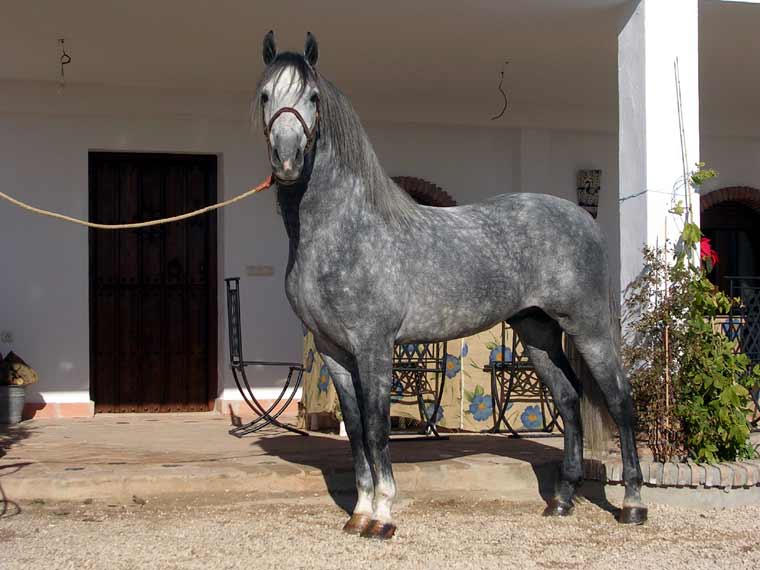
(15, 375)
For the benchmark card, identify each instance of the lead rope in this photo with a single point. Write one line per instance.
(263, 186)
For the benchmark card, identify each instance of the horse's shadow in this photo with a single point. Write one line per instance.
(332, 457)
(10, 435)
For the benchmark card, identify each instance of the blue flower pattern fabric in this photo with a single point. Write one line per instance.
(499, 354)
(481, 404)
(410, 349)
(532, 418)
(453, 365)
(324, 379)
(397, 391)
(466, 403)
(429, 412)
(309, 364)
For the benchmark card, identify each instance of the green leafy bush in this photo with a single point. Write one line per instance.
(691, 383)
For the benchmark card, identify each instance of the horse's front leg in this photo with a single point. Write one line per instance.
(352, 417)
(375, 365)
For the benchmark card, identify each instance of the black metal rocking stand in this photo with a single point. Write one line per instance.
(268, 416)
(419, 369)
(516, 378)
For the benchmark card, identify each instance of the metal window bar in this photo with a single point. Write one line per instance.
(744, 325)
(515, 377)
(419, 369)
(264, 417)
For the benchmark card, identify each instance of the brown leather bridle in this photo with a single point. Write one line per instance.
(311, 133)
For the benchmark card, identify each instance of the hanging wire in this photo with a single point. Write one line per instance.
(65, 59)
(501, 90)
(648, 190)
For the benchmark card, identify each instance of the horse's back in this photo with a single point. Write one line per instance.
(495, 258)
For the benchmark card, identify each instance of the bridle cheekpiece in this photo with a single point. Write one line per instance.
(311, 133)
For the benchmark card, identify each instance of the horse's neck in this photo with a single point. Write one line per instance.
(329, 196)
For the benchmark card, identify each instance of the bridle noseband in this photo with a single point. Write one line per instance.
(311, 134)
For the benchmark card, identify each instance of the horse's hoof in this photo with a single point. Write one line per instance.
(357, 523)
(379, 530)
(557, 508)
(633, 515)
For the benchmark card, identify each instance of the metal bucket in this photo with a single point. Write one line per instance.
(11, 404)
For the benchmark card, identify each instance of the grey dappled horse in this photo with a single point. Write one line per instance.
(364, 272)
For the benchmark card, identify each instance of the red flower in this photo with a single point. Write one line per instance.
(707, 253)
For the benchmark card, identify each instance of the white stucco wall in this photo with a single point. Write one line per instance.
(736, 159)
(44, 144)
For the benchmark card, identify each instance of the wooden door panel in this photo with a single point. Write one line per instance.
(129, 212)
(107, 210)
(151, 246)
(197, 231)
(198, 340)
(175, 258)
(128, 356)
(153, 291)
(105, 354)
(177, 345)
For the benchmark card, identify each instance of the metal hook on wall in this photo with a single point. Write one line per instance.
(65, 60)
(504, 95)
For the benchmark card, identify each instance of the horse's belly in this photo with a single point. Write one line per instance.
(441, 320)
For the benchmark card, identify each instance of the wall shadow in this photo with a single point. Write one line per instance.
(333, 457)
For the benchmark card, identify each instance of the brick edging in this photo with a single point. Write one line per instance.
(729, 475)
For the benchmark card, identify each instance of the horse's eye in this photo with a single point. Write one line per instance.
(314, 98)
(264, 98)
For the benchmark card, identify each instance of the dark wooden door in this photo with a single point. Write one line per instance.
(153, 302)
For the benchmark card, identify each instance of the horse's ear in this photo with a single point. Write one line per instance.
(311, 50)
(270, 49)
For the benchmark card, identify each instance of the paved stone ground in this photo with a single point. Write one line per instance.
(445, 531)
(175, 491)
(121, 455)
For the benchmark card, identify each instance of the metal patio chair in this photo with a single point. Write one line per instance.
(513, 379)
(264, 417)
(419, 374)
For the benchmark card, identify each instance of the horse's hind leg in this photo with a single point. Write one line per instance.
(542, 338)
(352, 417)
(602, 359)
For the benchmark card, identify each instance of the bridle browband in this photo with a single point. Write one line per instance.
(311, 134)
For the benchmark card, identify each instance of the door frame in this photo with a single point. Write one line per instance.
(212, 258)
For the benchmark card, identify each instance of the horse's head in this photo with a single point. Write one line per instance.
(288, 96)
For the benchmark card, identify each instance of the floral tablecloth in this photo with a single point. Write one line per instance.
(466, 402)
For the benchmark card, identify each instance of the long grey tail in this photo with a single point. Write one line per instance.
(598, 426)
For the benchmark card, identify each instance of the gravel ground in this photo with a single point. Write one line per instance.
(437, 532)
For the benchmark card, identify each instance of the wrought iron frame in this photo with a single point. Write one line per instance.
(744, 325)
(264, 417)
(517, 378)
(419, 368)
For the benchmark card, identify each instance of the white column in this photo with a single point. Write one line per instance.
(653, 35)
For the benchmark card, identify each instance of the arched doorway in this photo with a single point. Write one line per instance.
(730, 217)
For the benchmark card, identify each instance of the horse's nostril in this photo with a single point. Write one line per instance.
(276, 156)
